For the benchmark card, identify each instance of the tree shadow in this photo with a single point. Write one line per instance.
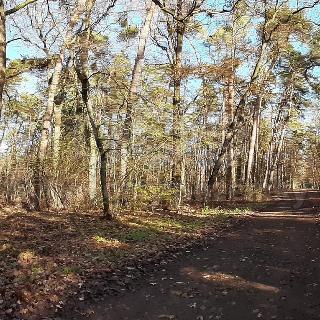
(48, 255)
(258, 271)
(54, 261)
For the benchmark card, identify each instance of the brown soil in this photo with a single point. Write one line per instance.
(267, 267)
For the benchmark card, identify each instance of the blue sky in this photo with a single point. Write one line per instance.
(18, 50)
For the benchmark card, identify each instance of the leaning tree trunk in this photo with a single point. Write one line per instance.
(39, 183)
(230, 164)
(47, 118)
(56, 135)
(126, 143)
(230, 133)
(45, 133)
(82, 70)
(276, 146)
(237, 119)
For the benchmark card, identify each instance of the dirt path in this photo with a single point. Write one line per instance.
(268, 268)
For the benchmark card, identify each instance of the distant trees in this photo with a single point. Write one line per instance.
(158, 103)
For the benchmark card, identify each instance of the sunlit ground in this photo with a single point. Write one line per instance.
(47, 256)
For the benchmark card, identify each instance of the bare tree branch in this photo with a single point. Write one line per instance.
(196, 4)
(19, 7)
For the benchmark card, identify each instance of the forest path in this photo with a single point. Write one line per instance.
(267, 268)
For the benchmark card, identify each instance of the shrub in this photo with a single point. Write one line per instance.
(151, 197)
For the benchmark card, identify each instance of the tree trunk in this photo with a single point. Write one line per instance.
(47, 118)
(56, 135)
(55, 192)
(275, 160)
(230, 164)
(98, 136)
(126, 143)
(280, 129)
(178, 163)
(45, 133)
(231, 132)
(104, 187)
(237, 119)
(82, 70)
(268, 162)
(257, 167)
(253, 140)
(3, 46)
(93, 162)
(40, 184)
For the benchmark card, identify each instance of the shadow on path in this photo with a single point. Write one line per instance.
(268, 268)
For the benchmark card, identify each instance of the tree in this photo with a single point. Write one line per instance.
(3, 42)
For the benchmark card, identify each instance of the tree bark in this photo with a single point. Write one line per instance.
(56, 135)
(104, 185)
(230, 164)
(3, 46)
(126, 143)
(93, 162)
(178, 162)
(237, 119)
(46, 125)
(57, 114)
(98, 136)
(275, 160)
(47, 118)
(45, 132)
(82, 70)
(253, 140)
(276, 146)
(231, 132)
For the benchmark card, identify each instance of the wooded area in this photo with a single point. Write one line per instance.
(128, 104)
(134, 133)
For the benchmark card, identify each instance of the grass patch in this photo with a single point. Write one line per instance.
(222, 214)
(206, 211)
(163, 225)
(100, 239)
(70, 270)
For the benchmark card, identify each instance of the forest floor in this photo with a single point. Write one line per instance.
(48, 259)
(266, 267)
(211, 264)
